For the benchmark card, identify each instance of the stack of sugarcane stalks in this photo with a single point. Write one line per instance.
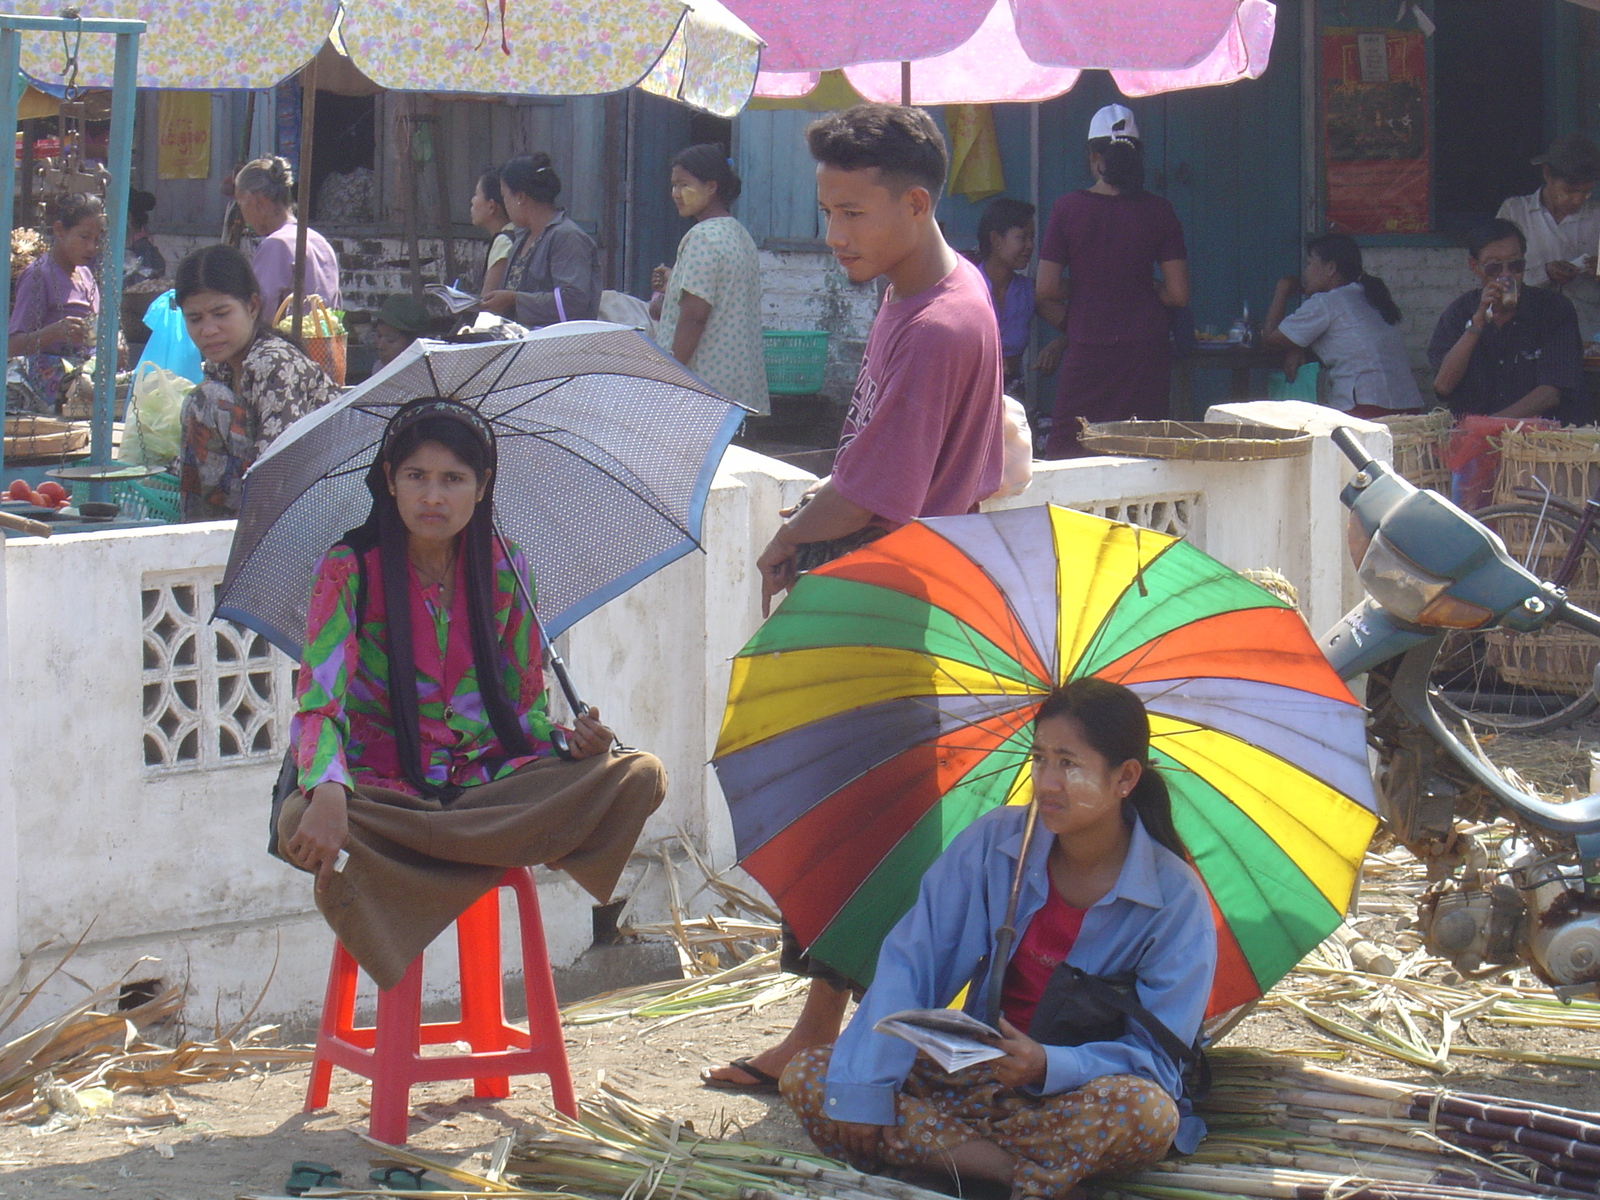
(1288, 1131)
(616, 1147)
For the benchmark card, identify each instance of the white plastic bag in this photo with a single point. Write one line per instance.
(152, 433)
(623, 309)
(1017, 473)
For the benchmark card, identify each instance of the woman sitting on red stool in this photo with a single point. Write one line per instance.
(423, 739)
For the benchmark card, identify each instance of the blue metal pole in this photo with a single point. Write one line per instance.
(10, 60)
(120, 166)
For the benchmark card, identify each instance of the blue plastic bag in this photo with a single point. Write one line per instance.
(170, 346)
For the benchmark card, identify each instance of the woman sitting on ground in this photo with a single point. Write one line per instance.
(58, 301)
(257, 382)
(1352, 324)
(423, 740)
(1109, 893)
(554, 270)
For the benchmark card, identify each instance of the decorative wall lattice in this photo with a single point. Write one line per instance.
(214, 692)
(1162, 514)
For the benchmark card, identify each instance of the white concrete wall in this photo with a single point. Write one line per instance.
(1424, 280)
(806, 289)
(171, 863)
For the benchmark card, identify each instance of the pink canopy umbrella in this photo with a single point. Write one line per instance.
(995, 64)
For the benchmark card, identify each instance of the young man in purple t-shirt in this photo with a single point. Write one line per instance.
(923, 435)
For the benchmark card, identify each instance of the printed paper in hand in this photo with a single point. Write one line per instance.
(951, 1038)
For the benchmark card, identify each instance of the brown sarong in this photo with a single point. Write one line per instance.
(416, 865)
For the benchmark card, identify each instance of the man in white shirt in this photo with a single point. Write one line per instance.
(1562, 225)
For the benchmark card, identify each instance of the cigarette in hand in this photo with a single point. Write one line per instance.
(341, 860)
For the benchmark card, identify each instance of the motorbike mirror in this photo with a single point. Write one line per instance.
(1352, 447)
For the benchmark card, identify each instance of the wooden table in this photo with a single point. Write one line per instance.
(1239, 361)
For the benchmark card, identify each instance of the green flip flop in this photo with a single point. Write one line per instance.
(304, 1176)
(406, 1179)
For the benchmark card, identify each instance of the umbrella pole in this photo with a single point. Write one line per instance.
(1006, 935)
(905, 83)
(308, 126)
(556, 664)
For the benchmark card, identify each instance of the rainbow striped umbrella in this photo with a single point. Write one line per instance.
(887, 704)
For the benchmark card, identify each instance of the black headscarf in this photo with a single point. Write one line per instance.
(385, 529)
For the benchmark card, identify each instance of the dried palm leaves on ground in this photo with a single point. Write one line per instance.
(1422, 1013)
(70, 1064)
(729, 957)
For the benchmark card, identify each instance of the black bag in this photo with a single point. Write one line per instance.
(1077, 1008)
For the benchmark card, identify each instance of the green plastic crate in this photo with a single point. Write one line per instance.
(154, 498)
(796, 361)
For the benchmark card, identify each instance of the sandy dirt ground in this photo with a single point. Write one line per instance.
(242, 1136)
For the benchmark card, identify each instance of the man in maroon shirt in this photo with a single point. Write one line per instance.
(923, 435)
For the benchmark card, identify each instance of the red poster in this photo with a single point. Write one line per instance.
(1375, 131)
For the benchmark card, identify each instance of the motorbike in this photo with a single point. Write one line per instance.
(1431, 572)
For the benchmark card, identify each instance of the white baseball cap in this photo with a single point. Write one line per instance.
(1113, 121)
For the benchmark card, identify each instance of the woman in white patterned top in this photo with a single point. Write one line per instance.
(710, 303)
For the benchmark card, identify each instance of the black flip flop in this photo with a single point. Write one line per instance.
(764, 1084)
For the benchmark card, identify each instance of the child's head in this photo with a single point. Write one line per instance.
(880, 170)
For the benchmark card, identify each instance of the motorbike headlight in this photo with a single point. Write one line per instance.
(1357, 539)
(1412, 593)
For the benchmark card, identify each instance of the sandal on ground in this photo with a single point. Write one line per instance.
(764, 1083)
(406, 1179)
(304, 1176)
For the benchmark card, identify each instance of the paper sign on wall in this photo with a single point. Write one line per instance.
(184, 123)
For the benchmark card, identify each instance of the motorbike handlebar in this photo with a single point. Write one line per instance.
(1581, 618)
(1352, 447)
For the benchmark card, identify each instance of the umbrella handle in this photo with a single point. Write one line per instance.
(1006, 935)
(577, 706)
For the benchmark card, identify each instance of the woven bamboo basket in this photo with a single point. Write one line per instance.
(1559, 659)
(30, 435)
(1419, 448)
(1193, 440)
(1567, 461)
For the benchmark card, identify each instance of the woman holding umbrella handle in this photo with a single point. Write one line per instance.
(423, 740)
(1110, 894)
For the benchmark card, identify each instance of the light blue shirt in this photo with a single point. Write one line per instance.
(1155, 921)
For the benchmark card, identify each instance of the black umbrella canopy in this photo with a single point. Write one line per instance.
(606, 451)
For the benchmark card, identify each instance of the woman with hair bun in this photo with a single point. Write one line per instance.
(553, 273)
(1101, 252)
(1103, 888)
(264, 192)
(710, 299)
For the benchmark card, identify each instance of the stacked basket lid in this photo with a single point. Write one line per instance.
(1420, 443)
(1567, 461)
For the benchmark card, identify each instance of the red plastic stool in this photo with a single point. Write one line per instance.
(389, 1052)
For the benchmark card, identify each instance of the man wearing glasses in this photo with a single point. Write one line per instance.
(1505, 350)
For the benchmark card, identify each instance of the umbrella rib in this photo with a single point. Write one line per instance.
(640, 492)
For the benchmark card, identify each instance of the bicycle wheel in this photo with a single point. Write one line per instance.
(1503, 681)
